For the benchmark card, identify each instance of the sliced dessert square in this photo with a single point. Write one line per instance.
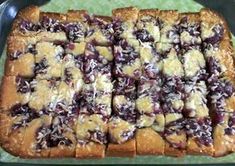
(20, 57)
(127, 59)
(124, 22)
(148, 26)
(150, 61)
(190, 32)
(97, 60)
(169, 21)
(44, 96)
(100, 31)
(48, 60)
(214, 28)
(15, 90)
(91, 132)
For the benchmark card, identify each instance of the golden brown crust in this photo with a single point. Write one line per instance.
(169, 16)
(170, 151)
(192, 17)
(57, 16)
(223, 144)
(9, 94)
(24, 66)
(148, 12)
(211, 17)
(179, 138)
(90, 150)
(195, 149)
(76, 15)
(105, 19)
(149, 142)
(126, 14)
(30, 13)
(10, 140)
(127, 149)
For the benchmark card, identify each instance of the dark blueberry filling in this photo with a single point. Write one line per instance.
(143, 35)
(125, 55)
(171, 86)
(153, 89)
(68, 76)
(28, 26)
(27, 114)
(51, 25)
(94, 64)
(218, 35)
(74, 31)
(194, 31)
(125, 86)
(47, 136)
(118, 30)
(126, 112)
(15, 55)
(31, 49)
(23, 85)
(41, 67)
(220, 87)
(43, 137)
(106, 28)
(201, 129)
(98, 136)
(213, 66)
(173, 34)
(230, 130)
(79, 61)
(174, 127)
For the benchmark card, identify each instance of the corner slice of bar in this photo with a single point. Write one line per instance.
(20, 57)
(223, 134)
(169, 20)
(199, 132)
(48, 60)
(122, 138)
(190, 31)
(127, 60)
(15, 90)
(100, 30)
(148, 26)
(25, 19)
(124, 22)
(36, 138)
(214, 27)
(91, 132)
(150, 61)
(11, 132)
(45, 95)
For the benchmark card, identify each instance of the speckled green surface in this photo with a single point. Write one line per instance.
(105, 7)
